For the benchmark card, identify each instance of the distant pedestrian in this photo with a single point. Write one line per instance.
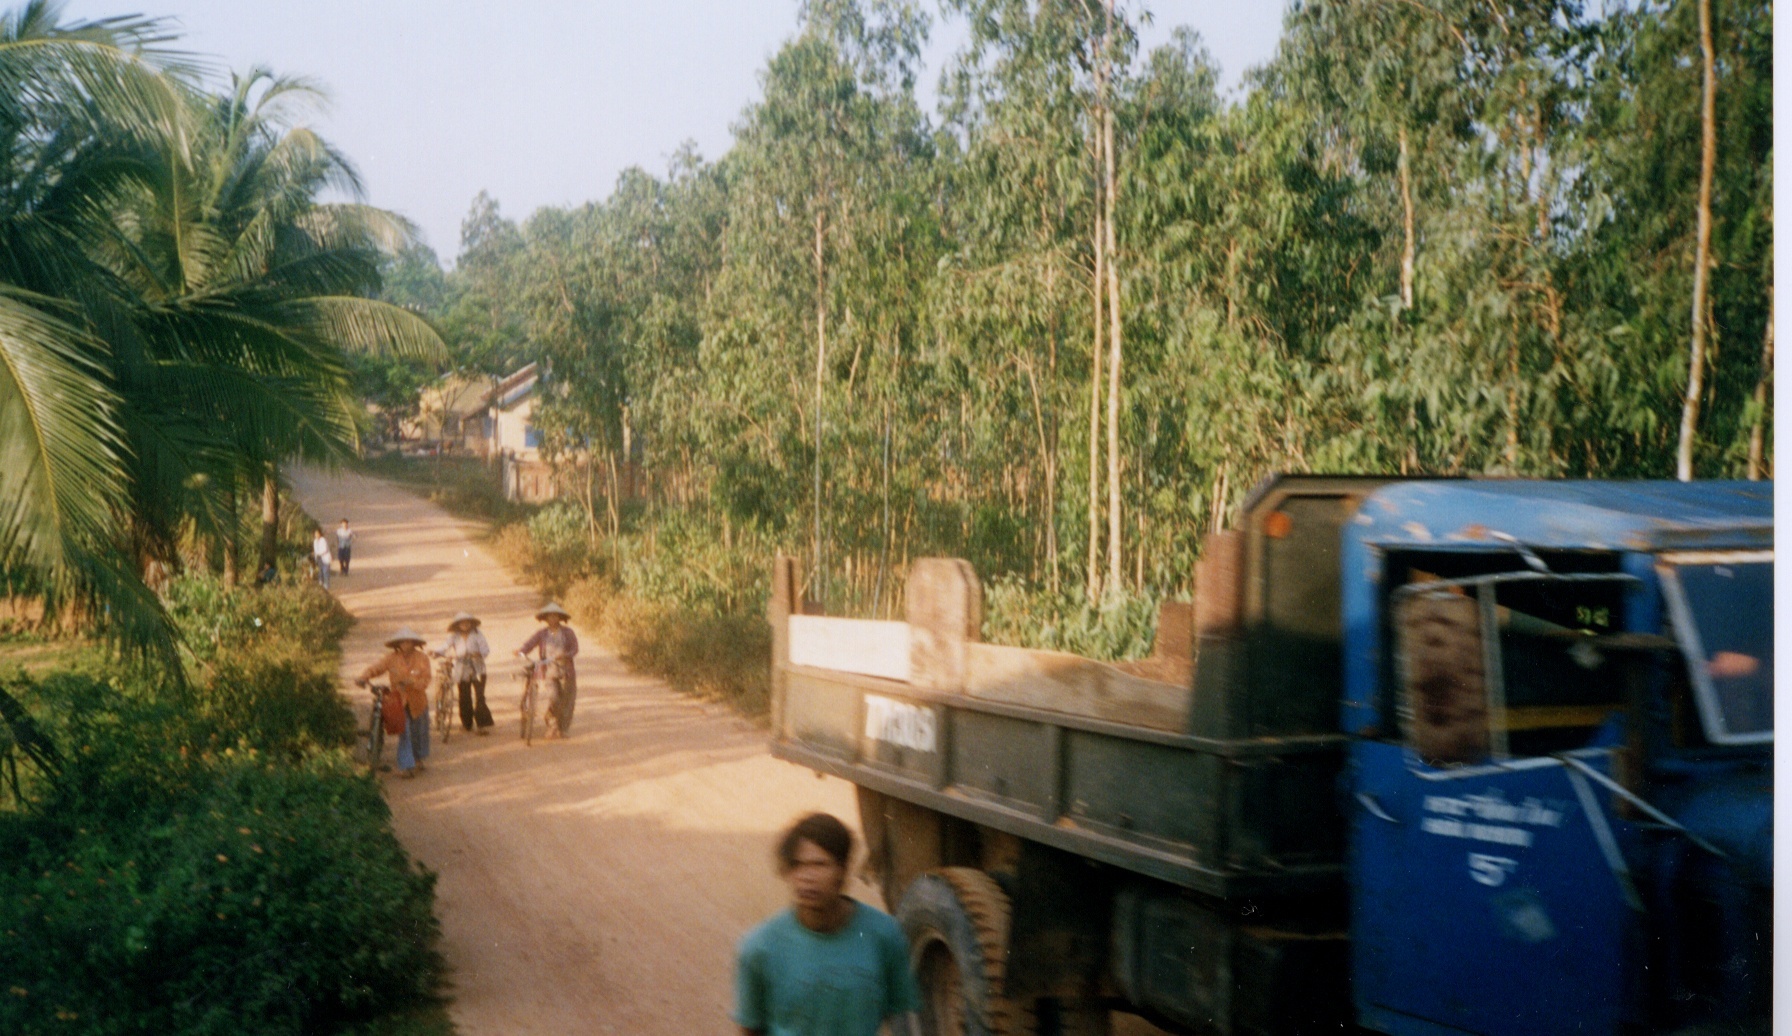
(320, 557)
(345, 543)
(406, 668)
(557, 643)
(829, 965)
(467, 648)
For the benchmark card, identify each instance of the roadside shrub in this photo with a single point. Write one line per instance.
(264, 666)
(273, 698)
(727, 657)
(270, 899)
(212, 617)
(163, 886)
(207, 859)
(679, 607)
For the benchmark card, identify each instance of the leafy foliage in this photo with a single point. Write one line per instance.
(208, 859)
(1432, 237)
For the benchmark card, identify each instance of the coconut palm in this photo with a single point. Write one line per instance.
(252, 291)
(175, 304)
(73, 99)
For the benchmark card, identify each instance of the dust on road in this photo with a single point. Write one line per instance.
(592, 885)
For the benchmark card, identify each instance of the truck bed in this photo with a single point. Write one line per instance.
(1204, 813)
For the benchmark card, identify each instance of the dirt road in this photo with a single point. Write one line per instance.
(591, 885)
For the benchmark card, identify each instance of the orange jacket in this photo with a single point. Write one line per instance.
(409, 674)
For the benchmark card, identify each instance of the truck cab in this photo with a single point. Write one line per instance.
(1559, 703)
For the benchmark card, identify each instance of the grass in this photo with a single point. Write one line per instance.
(39, 654)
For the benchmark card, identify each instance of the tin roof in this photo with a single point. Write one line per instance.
(1570, 515)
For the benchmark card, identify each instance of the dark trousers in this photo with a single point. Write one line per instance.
(472, 690)
(342, 558)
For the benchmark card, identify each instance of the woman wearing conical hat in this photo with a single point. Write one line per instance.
(556, 642)
(467, 648)
(406, 668)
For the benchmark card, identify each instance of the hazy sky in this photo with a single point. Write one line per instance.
(544, 103)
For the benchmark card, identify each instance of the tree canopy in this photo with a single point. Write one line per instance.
(1431, 236)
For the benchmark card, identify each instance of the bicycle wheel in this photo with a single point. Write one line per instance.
(376, 737)
(444, 711)
(529, 712)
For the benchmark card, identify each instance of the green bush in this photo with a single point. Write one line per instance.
(248, 897)
(677, 603)
(727, 657)
(207, 859)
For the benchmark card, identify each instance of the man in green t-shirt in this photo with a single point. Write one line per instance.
(829, 965)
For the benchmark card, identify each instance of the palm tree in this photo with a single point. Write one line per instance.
(175, 305)
(73, 98)
(252, 292)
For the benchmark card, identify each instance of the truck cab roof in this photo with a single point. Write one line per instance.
(1569, 515)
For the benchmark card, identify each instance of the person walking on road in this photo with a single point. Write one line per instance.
(345, 542)
(320, 556)
(829, 965)
(467, 648)
(556, 642)
(406, 668)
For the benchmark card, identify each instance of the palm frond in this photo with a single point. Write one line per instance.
(368, 326)
(61, 450)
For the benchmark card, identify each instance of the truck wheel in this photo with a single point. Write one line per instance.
(956, 920)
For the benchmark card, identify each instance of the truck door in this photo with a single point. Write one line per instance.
(1489, 892)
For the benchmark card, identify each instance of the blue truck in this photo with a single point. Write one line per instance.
(1426, 757)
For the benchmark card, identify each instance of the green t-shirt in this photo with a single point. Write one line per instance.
(791, 981)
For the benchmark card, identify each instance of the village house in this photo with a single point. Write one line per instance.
(514, 441)
(451, 414)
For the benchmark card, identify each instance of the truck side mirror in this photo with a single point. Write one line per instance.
(1443, 681)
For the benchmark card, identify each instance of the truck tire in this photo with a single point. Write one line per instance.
(956, 920)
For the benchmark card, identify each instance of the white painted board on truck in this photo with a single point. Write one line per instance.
(869, 647)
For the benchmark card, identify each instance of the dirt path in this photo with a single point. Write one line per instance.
(593, 885)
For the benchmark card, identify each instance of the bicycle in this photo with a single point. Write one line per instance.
(375, 737)
(447, 673)
(537, 674)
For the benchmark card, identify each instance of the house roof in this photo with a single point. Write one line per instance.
(514, 387)
(460, 395)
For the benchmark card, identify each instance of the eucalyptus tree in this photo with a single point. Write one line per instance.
(825, 228)
(1023, 196)
(1639, 264)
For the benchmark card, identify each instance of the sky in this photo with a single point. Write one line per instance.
(545, 101)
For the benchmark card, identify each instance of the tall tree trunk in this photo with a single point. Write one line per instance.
(1407, 250)
(883, 560)
(1051, 433)
(1695, 379)
(1093, 577)
(821, 353)
(1757, 435)
(270, 517)
(231, 559)
(1107, 133)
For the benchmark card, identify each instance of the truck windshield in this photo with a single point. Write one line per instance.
(1723, 615)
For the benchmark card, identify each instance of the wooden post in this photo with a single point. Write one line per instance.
(945, 612)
